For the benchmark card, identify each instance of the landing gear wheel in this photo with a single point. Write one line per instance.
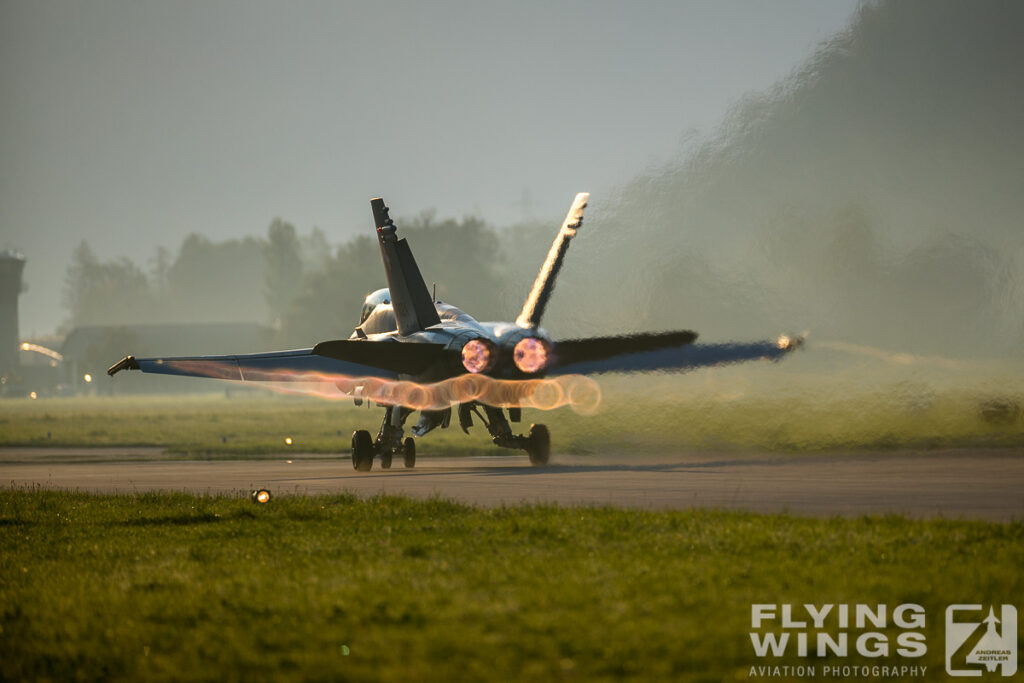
(362, 450)
(538, 446)
(385, 460)
(409, 452)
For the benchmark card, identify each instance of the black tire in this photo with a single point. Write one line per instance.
(409, 452)
(385, 460)
(539, 446)
(362, 451)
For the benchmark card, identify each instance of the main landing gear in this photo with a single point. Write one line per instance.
(537, 444)
(388, 443)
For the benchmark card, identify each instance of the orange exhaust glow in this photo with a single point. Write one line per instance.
(580, 393)
(477, 355)
(530, 355)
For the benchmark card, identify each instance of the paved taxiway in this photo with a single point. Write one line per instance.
(973, 484)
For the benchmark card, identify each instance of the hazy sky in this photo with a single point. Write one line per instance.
(131, 124)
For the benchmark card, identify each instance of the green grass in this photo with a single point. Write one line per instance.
(721, 409)
(172, 586)
(204, 425)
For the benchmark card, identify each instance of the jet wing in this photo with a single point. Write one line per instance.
(669, 351)
(279, 366)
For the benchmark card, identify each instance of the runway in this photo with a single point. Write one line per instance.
(968, 483)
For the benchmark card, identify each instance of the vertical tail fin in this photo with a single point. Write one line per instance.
(414, 309)
(533, 307)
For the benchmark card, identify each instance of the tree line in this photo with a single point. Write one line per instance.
(297, 283)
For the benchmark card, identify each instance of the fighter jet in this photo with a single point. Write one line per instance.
(410, 352)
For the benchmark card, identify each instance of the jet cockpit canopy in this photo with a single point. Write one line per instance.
(374, 299)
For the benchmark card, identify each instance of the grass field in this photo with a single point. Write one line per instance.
(174, 586)
(721, 409)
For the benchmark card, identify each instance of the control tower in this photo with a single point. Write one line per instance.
(11, 266)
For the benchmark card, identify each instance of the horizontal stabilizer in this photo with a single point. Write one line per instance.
(404, 358)
(602, 348)
(126, 363)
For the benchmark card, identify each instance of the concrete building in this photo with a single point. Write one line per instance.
(11, 266)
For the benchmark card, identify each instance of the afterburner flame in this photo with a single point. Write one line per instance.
(477, 356)
(580, 393)
(530, 355)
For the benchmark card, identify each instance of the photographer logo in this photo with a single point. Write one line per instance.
(978, 641)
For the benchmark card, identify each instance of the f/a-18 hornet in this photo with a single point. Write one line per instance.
(410, 352)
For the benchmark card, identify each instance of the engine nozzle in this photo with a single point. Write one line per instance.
(530, 355)
(478, 355)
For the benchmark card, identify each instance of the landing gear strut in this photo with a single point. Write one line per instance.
(537, 445)
(409, 452)
(388, 443)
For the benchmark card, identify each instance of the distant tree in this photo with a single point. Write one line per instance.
(77, 282)
(282, 268)
(316, 252)
(952, 282)
(465, 259)
(294, 280)
(100, 292)
(159, 266)
(217, 281)
(462, 256)
(331, 298)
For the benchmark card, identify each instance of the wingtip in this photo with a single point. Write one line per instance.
(126, 363)
(791, 343)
